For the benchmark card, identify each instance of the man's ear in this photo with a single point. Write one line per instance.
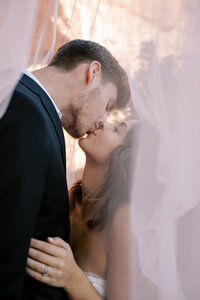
(93, 72)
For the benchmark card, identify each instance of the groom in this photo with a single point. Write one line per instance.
(78, 87)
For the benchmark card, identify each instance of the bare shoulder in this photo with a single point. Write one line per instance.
(121, 217)
(119, 229)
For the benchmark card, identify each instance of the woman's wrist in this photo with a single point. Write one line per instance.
(80, 288)
(74, 280)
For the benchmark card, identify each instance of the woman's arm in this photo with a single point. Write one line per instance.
(125, 279)
(119, 263)
(63, 270)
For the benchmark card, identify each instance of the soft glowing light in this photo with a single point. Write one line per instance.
(127, 30)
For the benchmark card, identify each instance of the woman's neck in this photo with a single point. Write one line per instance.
(93, 176)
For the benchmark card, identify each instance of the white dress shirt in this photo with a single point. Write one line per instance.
(28, 73)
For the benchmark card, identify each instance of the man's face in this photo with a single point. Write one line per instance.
(92, 107)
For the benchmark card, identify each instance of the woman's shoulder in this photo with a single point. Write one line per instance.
(120, 225)
(119, 241)
(122, 214)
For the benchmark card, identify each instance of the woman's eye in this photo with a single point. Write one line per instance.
(116, 129)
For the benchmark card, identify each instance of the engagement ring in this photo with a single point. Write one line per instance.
(46, 270)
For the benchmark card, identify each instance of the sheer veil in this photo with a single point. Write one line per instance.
(16, 17)
(166, 189)
(22, 36)
(158, 43)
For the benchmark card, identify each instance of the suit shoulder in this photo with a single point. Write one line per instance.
(23, 93)
(24, 103)
(25, 109)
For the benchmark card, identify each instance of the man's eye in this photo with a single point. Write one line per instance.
(108, 107)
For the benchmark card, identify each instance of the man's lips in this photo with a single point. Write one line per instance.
(95, 127)
(91, 132)
(92, 129)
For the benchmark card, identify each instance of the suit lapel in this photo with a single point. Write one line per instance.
(35, 88)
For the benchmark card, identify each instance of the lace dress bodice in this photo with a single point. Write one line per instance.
(98, 282)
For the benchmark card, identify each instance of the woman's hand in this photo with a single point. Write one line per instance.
(58, 257)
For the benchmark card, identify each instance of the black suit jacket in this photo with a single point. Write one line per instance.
(33, 189)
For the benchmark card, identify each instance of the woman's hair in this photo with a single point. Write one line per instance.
(116, 187)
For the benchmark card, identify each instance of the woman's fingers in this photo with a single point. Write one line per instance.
(46, 247)
(40, 268)
(58, 256)
(38, 276)
(36, 266)
(58, 242)
(42, 257)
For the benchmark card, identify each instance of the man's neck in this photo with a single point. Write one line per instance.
(55, 82)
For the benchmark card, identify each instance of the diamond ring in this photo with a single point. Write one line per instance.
(46, 270)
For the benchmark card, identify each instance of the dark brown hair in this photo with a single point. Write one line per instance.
(75, 52)
(117, 184)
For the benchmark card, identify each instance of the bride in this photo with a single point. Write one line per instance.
(99, 215)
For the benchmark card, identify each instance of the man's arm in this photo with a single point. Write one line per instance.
(23, 167)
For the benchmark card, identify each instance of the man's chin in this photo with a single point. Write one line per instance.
(75, 133)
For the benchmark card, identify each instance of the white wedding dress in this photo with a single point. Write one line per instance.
(98, 282)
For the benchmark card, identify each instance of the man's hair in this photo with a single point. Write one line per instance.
(75, 52)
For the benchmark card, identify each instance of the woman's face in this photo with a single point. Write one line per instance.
(99, 144)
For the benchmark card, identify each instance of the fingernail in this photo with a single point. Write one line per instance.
(51, 239)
